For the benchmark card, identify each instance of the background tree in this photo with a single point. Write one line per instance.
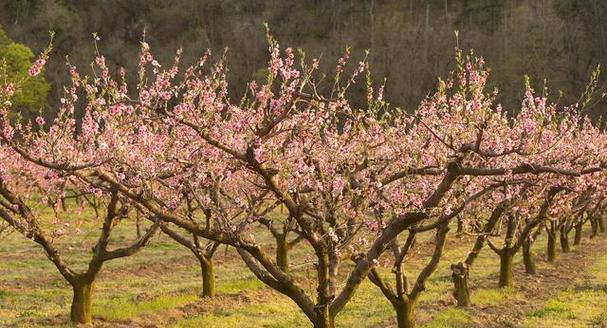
(31, 97)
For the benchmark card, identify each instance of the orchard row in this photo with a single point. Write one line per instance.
(358, 182)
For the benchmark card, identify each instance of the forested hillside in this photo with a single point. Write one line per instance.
(411, 42)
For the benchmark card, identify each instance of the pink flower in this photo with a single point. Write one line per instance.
(36, 68)
(40, 120)
(9, 89)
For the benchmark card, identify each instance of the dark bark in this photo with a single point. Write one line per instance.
(460, 271)
(528, 257)
(459, 276)
(506, 257)
(402, 299)
(601, 223)
(564, 237)
(460, 226)
(204, 254)
(577, 238)
(594, 228)
(324, 318)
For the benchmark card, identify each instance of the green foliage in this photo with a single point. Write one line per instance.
(30, 98)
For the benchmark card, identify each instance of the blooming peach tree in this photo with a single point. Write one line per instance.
(351, 179)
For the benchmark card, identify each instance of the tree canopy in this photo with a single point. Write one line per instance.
(31, 97)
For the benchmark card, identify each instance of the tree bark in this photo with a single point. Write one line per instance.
(506, 269)
(460, 226)
(594, 228)
(208, 276)
(564, 237)
(528, 257)
(324, 318)
(405, 316)
(81, 303)
(601, 223)
(577, 238)
(282, 252)
(551, 248)
(460, 281)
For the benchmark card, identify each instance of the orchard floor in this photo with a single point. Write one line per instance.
(159, 288)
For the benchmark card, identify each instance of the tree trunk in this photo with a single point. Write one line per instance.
(81, 303)
(595, 228)
(506, 269)
(565, 241)
(577, 238)
(460, 226)
(551, 248)
(460, 283)
(208, 276)
(282, 251)
(325, 319)
(601, 223)
(405, 316)
(528, 257)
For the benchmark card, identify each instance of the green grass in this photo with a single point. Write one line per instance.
(554, 308)
(238, 285)
(452, 318)
(487, 296)
(128, 308)
(582, 305)
(598, 272)
(277, 313)
(161, 285)
(570, 309)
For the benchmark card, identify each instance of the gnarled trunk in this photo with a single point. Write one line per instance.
(577, 238)
(528, 257)
(208, 276)
(551, 248)
(460, 282)
(405, 316)
(460, 226)
(594, 228)
(564, 237)
(506, 257)
(282, 252)
(324, 319)
(81, 303)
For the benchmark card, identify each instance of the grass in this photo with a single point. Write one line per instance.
(571, 309)
(238, 285)
(161, 285)
(124, 309)
(486, 296)
(582, 305)
(250, 315)
(452, 317)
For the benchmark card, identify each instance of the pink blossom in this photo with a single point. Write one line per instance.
(37, 67)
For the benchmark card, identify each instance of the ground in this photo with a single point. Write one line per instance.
(159, 288)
